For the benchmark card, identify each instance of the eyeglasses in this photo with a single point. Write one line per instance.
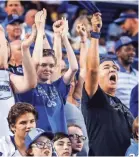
(77, 137)
(43, 145)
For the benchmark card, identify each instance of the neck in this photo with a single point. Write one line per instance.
(47, 81)
(13, 38)
(111, 91)
(126, 66)
(20, 144)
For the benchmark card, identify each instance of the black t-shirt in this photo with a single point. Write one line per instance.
(108, 123)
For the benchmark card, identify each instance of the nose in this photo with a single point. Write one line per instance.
(112, 69)
(66, 147)
(29, 126)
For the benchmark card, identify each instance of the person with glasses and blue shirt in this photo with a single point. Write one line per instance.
(39, 143)
(77, 138)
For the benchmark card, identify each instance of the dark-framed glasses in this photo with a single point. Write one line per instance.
(77, 137)
(43, 145)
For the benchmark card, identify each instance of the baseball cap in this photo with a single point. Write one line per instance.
(124, 40)
(14, 18)
(34, 134)
(123, 17)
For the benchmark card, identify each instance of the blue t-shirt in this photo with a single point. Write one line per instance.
(49, 100)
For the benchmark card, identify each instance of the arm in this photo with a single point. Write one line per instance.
(40, 24)
(73, 65)
(57, 48)
(24, 83)
(46, 44)
(91, 81)
(83, 55)
(3, 50)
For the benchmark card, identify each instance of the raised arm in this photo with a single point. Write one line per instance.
(40, 18)
(91, 81)
(57, 28)
(81, 30)
(73, 65)
(24, 83)
(3, 50)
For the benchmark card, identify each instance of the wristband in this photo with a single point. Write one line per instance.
(95, 34)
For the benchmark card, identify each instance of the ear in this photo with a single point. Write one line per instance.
(30, 152)
(13, 128)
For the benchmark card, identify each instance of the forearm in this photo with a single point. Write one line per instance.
(38, 48)
(71, 56)
(46, 44)
(30, 77)
(93, 56)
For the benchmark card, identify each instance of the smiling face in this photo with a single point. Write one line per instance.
(126, 54)
(63, 147)
(108, 76)
(41, 147)
(46, 68)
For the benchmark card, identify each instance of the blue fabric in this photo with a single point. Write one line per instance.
(132, 149)
(49, 100)
(134, 101)
(18, 70)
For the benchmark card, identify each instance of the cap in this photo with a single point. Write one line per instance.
(34, 134)
(124, 40)
(124, 16)
(14, 18)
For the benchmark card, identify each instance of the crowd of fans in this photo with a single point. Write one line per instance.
(63, 92)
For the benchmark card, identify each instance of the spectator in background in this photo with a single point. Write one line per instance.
(21, 118)
(13, 7)
(11, 83)
(134, 101)
(127, 75)
(77, 138)
(39, 143)
(14, 28)
(133, 148)
(62, 144)
(128, 21)
(108, 121)
(15, 62)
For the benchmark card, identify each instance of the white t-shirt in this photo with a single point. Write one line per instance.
(6, 101)
(8, 148)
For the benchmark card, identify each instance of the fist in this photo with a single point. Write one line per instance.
(96, 22)
(81, 30)
(58, 26)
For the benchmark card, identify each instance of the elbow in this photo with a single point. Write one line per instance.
(74, 70)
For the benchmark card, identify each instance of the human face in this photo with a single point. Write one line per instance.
(14, 30)
(126, 54)
(23, 125)
(126, 26)
(45, 68)
(63, 147)
(108, 76)
(14, 7)
(41, 147)
(77, 138)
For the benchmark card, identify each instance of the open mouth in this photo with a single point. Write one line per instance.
(113, 78)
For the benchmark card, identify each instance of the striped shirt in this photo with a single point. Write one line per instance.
(126, 82)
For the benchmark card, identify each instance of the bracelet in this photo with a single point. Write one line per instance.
(95, 34)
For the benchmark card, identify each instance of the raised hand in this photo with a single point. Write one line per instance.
(30, 38)
(40, 18)
(65, 29)
(96, 22)
(58, 26)
(81, 30)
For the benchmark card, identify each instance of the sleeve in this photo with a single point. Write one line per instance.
(99, 99)
(62, 88)
(134, 101)
(3, 148)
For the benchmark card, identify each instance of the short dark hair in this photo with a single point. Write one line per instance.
(19, 109)
(60, 135)
(7, 2)
(74, 125)
(49, 52)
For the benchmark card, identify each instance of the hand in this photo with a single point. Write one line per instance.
(30, 38)
(58, 26)
(96, 22)
(40, 18)
(81, 30)
(65, 30)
